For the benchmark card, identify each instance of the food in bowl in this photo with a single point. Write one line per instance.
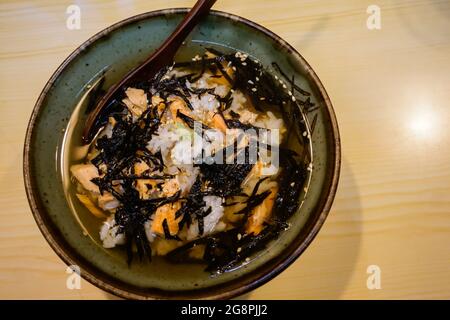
(205, 162)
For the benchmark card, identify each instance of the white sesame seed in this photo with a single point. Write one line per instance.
(234, 68)
(250, 81)
(257, 79)
(280, 81)
(239, 236)
(229, 64)
(284, 86)
(292, 184)
(254, 89)
(247, 259)
(305, 133)
(239, 250)
(293, 98)
(276, 78)
(262, 98)
(244, 63)
(290, 93)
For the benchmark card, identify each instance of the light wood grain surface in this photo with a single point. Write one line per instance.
(390, 89)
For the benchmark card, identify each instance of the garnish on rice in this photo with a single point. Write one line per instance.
(185, 165)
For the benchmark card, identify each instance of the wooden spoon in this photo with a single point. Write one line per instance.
(160, 58)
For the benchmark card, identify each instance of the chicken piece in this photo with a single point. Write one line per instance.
(107, 201)
(158, 102)
(170, 187)
(166, 212)
(87, 202)
(136, 101)
(84, 173)
(142, 184)
(261, 213)
(178, 104)
(138, 97)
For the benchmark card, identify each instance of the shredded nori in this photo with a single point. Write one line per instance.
(126, 146)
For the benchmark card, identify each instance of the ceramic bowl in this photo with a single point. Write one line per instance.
(54, 133)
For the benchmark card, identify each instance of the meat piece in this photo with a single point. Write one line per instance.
(136, 101)
(261, 214)
(166, 212)
(84, 173)
(107, 201)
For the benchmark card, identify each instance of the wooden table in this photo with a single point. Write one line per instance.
(390, 90)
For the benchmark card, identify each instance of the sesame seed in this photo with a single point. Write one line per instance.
(229, 64)
(254, 89)
(290, 93)
(239, 236)
(250, 81)
(239, 250)
(293, 98)
(262, 98)
(247, 259)
(244, 63)
(276, 78)
(305, 133)
(234, 68)
(292, 184)
(284, 86)
(257, 79)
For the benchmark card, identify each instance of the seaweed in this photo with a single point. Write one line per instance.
(225, 180)
(126, 146)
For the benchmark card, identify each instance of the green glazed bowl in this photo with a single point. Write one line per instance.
(53, 138)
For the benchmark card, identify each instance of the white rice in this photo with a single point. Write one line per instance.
(108, 234)
(211, 220)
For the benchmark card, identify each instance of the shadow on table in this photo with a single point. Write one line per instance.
(329, 263)
(307, 37)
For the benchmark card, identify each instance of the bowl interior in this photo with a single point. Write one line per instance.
(53, 141)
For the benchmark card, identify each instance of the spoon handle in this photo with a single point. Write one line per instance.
(166, 52)
(157, 60)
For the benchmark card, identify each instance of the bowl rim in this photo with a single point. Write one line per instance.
(221, 291)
